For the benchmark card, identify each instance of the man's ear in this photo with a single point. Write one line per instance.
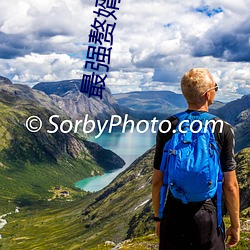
(207, 95)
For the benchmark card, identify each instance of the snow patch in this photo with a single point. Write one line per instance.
(143, 186)
(2, 223)
(142, 204)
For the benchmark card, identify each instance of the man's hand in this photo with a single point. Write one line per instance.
(232, 200)
(156, 187)
(232, 236)
(157, 228)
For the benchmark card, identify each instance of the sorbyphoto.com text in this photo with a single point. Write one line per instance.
(87, 126)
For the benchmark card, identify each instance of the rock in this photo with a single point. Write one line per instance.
(109, 243)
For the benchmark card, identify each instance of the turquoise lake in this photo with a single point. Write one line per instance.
(129, 146)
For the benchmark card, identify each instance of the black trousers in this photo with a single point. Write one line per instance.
(190, 227)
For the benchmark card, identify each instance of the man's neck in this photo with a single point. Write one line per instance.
(198, 107)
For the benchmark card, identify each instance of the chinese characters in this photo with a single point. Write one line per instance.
(98, 55)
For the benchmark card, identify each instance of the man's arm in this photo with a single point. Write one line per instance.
(232, 200)
(156, 187)
(157, 178)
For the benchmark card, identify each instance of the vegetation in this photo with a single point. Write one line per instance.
(118, 213)
(32, 163)
(243, 175)
(57, 225)
(36, 170)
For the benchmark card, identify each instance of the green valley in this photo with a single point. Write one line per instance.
(32, 163)
(120, 212)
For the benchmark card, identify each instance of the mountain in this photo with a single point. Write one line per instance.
(4, 80)
(167, 102)
(138, 105)
(232, 110)
(243, 175)
(149, 104)
(76, 105)
(216, 105)
(242, 130)
(122, 210)
(32, 163)
(237, 114)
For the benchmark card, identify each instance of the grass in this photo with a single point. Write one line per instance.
(51, 225)
(31, 164)
(150, 242)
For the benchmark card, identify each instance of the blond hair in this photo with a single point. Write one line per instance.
(195, 83)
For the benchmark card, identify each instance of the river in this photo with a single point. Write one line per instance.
(128, 146)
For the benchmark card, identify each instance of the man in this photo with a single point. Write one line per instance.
(194, 225)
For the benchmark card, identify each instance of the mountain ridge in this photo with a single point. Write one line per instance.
(66, 94)
(58, 159)
(4, 80)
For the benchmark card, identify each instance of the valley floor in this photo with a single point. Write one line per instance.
(57, 225)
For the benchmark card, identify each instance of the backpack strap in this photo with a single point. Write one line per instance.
(164, 188)
(182, 115)
(208, 116)
(163, 194)
(219, 200)
(164, 169)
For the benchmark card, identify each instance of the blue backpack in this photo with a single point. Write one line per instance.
(191, 162)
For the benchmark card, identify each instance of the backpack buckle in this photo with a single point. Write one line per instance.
(172, 152)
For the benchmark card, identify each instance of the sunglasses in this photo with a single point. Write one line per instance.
(216, 87)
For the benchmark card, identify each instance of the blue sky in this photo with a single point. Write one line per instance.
(155, 42)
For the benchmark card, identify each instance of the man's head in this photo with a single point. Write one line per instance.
(197, 86)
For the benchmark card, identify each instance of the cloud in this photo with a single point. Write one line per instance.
(231, 45)
(155, 42)
(34, 68)
(42, 27)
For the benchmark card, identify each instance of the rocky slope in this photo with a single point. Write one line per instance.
(67, 96)
(243, 175)
(242, 130)
(237, 114)
(232, 110)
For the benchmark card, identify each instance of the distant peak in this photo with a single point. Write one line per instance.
(4, 80)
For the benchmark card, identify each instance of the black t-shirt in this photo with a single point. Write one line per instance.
(225, 141)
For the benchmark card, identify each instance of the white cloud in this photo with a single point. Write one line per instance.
(154, 42)
(34, 68)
